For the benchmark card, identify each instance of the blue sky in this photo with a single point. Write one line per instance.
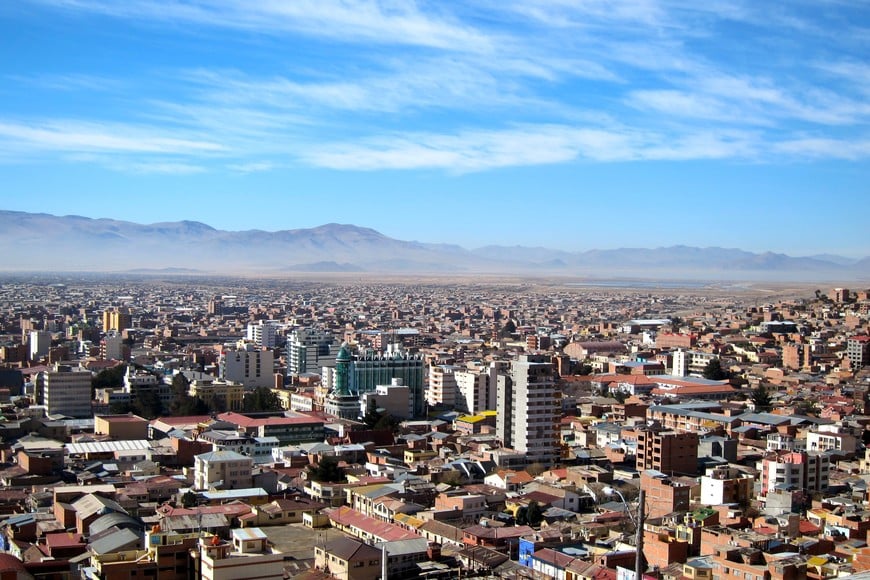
(574, 124)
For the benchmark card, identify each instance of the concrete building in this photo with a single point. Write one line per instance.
(112, 346)
(528, 409)
(263, 333)
(725, 485)
(691, 362)
(40, 343)
(394, 399)
(369, 369)
(309, 350)
(138, 382)
(222, 469)
(248, 364)
(65, 391)
(858, 351)
(797, 470)
(442, 386)
(247, 555)
(117, 319)
(477, 389)
(121, 427)
(218, 394)
(669, 452)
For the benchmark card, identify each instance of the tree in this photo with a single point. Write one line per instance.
(714, 370)
(112, 378)
(188, 500)
(148, 404)
(534, 515)
(182, 403)
(761, 398)
(327, 470)
(261, 399)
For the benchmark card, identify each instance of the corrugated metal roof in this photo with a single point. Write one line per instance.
(107, 446)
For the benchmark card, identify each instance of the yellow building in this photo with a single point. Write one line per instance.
(117, 319)
(218, 394)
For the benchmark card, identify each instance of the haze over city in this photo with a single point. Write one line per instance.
(567, 125)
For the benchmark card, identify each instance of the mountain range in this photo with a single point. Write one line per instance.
(43, 242)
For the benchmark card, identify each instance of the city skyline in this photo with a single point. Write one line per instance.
(646, 124)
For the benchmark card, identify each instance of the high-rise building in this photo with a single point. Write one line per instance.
(528, 409)
(477, 389)
(309, 350)
(112, 346)
(442, 386)
(117, 319)
(858, 351)
(249, 365)
(371, 368)
(65, 390)
(40, 343)
(263, 333)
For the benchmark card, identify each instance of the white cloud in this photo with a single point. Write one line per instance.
(78, 136)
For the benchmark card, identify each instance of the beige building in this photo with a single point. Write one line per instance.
(222, 469)
(121, 427)
(247, 556)
(218, 394)
(65, 390)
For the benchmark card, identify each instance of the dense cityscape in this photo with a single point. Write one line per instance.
(181, 427)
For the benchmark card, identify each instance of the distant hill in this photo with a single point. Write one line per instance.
(40, 242)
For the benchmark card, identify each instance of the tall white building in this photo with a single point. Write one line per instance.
(40, 342)
(249, 365)
(111, 347)
(65, 390)
(310, 349)
(263, 333)
(442, 386)
(477, 389)
(529, 410)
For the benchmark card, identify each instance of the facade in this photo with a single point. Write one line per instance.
(394, 399)
(248, 365)
(65, 391)
(121, 427)
(112, 346)
(691, 362)
(442, 386)
(858, 351)
(477, 390)
(528, 409)
(137, 382)
(725, 485)
(248, 556)
(310, 349)
(368, 370)
(117, 319)
(224, 469)
(796, 470)
(218, 394)
(663, 495)
(40, 343)
(263, 333)
(669, 452)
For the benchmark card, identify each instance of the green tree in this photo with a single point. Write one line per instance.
(534, 515)
(182, 403)
(148, 404)
(112, 378)
(327, 470)
(714, 370)
(761, 398)
(261, 399)
(188, 500)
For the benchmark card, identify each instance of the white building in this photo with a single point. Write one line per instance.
(394, 398)
(263, 333)
(249, 555)
(691, 362)
(310, 349)
(528, 409)
(442, 386)
(111, 347)
(249, 365)
(40, 342)
(477, 389)
(65, 390)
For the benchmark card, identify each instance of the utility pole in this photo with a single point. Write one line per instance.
(638, 556)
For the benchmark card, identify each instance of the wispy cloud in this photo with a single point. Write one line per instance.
(71, 136)
(382, 22)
